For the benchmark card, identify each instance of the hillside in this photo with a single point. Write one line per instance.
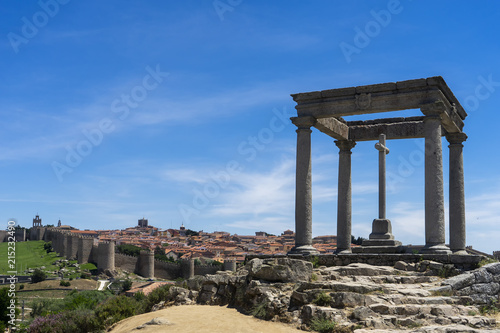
(30, 254)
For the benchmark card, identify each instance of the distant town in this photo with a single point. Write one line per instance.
(184, 243)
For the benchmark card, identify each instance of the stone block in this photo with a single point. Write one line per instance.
(444, 311)
(382, 308)
(411, 84)
(401, 265)
(482, 276)
(493, 268)
(280, 269)
(362, 313)
(460, 281)
(486, 288)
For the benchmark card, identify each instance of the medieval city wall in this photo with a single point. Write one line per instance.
(84, 250)
(146, 264)
(126, 262)
(167, 270)
(103, 255)
(106, 256)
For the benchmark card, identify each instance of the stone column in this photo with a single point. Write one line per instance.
(434, 195)
(457, 196)
(303, 190)
(344, 196)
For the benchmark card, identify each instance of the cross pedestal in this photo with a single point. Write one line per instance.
(381, 239)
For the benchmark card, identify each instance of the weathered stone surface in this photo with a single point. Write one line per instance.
(362, 313)
(382, 308)
(350, 299)
(155, 321)
(482, 276)
(460, 281)
(493, 268)
(364, 270)
(384, 298)
(280, 270)
(444, 311)
(485, 288)
(401, 265)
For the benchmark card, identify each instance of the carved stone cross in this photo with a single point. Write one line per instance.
(383, 150)
(381, 228)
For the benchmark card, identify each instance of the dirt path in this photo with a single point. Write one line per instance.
(199, 318)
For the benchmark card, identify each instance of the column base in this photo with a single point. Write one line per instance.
(381, 229)
(460, 252)
(380, 246)
(343, 251)
(436, 249)
(306, 250)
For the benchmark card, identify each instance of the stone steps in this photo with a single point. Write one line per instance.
(392, 300)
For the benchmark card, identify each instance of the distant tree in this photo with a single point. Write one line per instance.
(38, 276)
(49, 226)
(357, 241)
(129, 249)
(190, 232)
(159, 250)
(267, 235)
(47, 247)
(127, 285)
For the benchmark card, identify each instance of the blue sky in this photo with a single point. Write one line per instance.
(178, 110)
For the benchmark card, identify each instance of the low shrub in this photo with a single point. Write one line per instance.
(156, 296)
(115, 309)
(64, 283)
(259, 310)
(323, 299)
(78, 321)
(324, 325)
(38, 276)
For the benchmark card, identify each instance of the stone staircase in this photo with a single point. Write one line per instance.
(385, 299)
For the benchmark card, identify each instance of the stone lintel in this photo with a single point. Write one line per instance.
(333, 127)
(400, 130)
(403, 95)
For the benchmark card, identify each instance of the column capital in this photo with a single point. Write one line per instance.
(456, 138)
(345, 145)
(433, 110)
(303, 122)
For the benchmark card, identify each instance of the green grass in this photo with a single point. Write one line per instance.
(88, 266)
(28, 254)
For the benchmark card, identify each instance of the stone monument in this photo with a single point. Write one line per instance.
(442, 116)
(381, 240)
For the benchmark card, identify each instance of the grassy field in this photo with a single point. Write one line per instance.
(28, 255)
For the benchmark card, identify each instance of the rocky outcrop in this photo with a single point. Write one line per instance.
(481, 285)
(359, 296)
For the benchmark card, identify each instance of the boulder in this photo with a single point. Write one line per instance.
(482, 276)
(460, 281)
(280, 270)
(493, 268)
